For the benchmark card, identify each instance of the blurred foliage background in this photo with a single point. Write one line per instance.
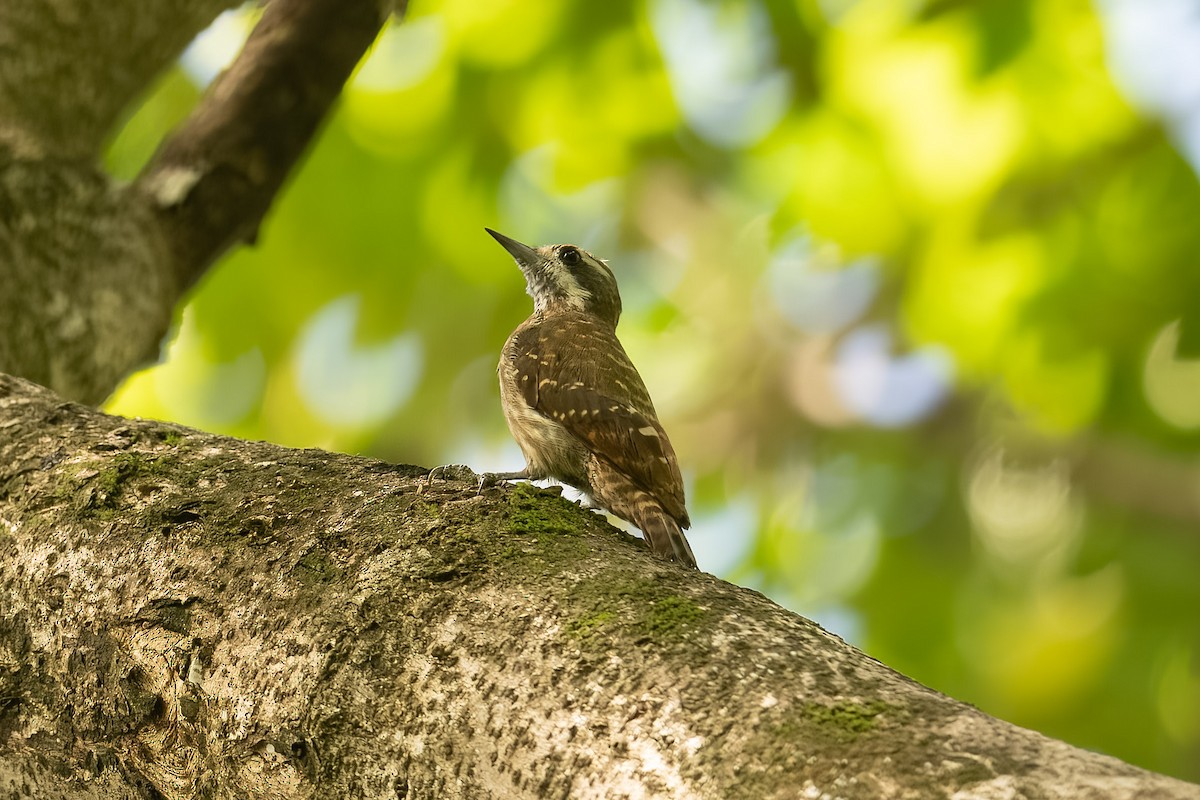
(915, 286)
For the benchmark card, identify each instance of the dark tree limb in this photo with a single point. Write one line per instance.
(91, 272)
(215, 177)
(227, 619)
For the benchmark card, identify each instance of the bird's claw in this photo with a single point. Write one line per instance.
(489, 479)
(450, 472)
(461, 472)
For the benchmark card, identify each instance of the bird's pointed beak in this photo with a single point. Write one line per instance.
(526, 257)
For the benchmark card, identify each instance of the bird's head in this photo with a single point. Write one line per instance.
(564, 277)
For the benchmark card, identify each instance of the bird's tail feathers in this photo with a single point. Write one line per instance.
(663, 533)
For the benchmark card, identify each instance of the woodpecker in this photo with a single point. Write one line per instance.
(576, 404)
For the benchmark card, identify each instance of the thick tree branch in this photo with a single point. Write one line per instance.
(214, 178)
(91, 272)
(86, 296)
(201, 614)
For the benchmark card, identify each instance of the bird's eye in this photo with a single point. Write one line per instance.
(570, 256)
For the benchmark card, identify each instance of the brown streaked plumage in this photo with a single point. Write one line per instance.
(576, 404)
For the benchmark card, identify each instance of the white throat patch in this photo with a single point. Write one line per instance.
(569, 292)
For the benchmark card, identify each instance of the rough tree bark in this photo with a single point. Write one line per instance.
(184, 615)
(218, 618)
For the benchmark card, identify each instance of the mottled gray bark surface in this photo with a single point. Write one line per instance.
(71, 68)
(228, 619)
(90, 271)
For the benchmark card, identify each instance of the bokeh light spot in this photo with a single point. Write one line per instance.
(720, 58)
(885, 390)
(218, 44)
(349, 385)
(1178, 695)
(1023, 514)
(1172, 384)
(812, 292)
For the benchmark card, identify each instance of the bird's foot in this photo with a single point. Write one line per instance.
(489, 479)
(450, 472)
(461, 472)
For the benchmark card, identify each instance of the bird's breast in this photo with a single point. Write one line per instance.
(549, 448)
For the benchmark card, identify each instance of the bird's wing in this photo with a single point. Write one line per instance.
(575, 372)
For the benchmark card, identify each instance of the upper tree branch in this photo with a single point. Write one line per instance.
(214, 177)
(226, 619)
(91, 272)
(70, 68)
